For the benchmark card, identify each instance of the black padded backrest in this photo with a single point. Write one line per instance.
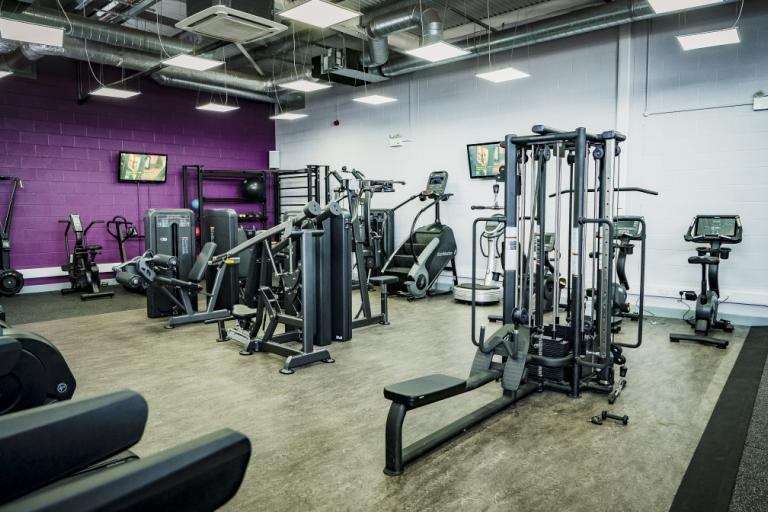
(201, 475)
(10, 351)
(41, 445)
(197, 272)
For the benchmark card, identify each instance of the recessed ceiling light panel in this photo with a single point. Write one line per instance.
(31, 33)
(708, 39)
(374, 99)
(503, 75)
(437, 51)
(192, 62)
(288, 116)
(304, 85)
(662, 6)
(112, 92)
(319, 14)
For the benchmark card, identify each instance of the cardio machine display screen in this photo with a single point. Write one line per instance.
(716, 226)
(485, 160)
(143, 168)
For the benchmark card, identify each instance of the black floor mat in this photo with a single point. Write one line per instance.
(711, 476)
(40, 307)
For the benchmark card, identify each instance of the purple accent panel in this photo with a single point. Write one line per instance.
(67, 156)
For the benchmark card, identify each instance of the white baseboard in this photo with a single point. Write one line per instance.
(43, 272)
(52, 287)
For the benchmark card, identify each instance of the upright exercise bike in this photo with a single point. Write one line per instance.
(428, 250)
(11, 281)
(714, 230)
(81, 267)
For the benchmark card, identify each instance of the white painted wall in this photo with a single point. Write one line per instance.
(707, 161)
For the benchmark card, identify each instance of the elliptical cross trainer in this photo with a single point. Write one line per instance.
(715, 230)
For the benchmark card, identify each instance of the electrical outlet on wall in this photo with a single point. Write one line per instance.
(396, 140)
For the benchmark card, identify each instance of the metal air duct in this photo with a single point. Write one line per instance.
(379, 28)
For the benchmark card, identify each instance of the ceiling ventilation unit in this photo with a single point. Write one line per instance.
(237, 21)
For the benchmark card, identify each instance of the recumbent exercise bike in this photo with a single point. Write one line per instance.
(715, 230)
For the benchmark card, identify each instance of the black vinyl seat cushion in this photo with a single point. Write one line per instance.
(384, 280)
(243, 312)
(425, 390)
(706, 260)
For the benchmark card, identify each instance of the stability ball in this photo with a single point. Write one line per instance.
(253, 189)
(195, 204)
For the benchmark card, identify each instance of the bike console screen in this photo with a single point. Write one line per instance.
(724, 228)
(436, 184)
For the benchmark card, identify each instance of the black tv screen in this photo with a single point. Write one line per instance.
(485, 159)
(143, 168)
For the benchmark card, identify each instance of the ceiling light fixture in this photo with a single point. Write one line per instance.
(112, 92)
(663, 6)
(708, 39)
(319, 14)
(192, 62)
(503, 75)
(304, 85)
(374, 99)
(31, 33)
(437, 52)
(4, 74)
(288, 116)
(212, 106)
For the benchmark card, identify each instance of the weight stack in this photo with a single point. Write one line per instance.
(556, 346)
(221, 228)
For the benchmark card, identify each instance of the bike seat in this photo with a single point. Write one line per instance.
(243, 312)
(379, 280)
(93, 247)
(704, 260)
(425, 390)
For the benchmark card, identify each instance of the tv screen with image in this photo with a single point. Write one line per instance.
(485, 160)
(143, 168)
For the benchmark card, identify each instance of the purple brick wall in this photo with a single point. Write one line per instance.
(67, 155)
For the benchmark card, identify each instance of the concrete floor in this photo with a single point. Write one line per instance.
(318, 435)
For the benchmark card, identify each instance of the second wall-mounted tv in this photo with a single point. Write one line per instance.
(143, 168)
(485, 159)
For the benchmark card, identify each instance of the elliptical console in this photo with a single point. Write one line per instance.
(714, 230)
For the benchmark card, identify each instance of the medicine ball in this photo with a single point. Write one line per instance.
(254, 190)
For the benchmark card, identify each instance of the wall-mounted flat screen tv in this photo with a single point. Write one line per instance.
(485, 160)
(143, 168)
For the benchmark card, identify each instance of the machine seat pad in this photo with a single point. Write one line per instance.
(706, 260)
(243, 312)
(425, 390)
(380, 280)
(93, 247)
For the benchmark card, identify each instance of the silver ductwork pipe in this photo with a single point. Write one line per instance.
(213, 89)
(379, 28)
(605, 16)
(93, 30)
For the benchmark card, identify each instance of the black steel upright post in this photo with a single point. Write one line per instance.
(577, 298)
(541, 217)
(510, 231)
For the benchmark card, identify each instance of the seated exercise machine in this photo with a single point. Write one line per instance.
(74, 457)
(428, 250)
(11, 281)
(123, 230)
(489, 291)
(284, 287)
(532, 352)
(714, 230)
(81, 267)
(32, 370)
(149, 270)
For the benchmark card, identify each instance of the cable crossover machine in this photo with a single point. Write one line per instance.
(538, 348)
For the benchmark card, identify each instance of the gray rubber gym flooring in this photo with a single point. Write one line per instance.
(318, 435)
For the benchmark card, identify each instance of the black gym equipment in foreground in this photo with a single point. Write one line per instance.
(11, 281)
(32, 371)
(81, 266)
(714, 230)
(530, 352)
(428, 250)
(75, 458)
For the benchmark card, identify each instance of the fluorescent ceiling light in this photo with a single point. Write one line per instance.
(304, 85)
(662, 6)
(111, 92)
(374, 99)
(319, 14)
(288, 116)
(217, 107)
(31, 33)
(707, 39)
(503, 75)
(4, 74)
(192, 62)
(437, 51)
